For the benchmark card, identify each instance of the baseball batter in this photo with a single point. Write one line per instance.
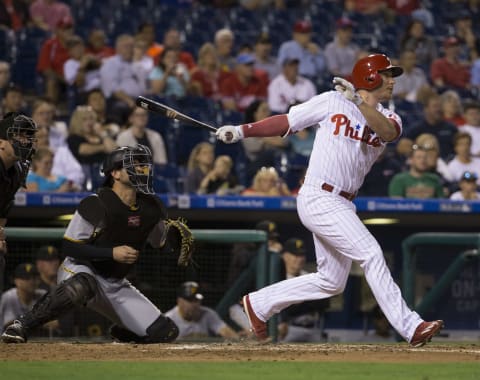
(352, 129)
(101, 244)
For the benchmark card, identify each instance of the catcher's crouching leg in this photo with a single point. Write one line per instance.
(163, 330)
(77, 290)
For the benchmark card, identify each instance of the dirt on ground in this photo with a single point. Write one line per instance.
(243, 351)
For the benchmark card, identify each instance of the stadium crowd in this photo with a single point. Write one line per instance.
(77, 71)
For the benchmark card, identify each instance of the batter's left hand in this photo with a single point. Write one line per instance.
(346, 89)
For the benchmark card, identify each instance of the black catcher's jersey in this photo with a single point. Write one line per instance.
(10, 181)
(103, 221)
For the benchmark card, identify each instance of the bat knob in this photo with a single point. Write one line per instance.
(140, 102)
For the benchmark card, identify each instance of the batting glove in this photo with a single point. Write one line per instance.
(344, 87)
(229, 134)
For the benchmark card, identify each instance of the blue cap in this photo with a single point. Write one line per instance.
(245, 59)
(469, 176)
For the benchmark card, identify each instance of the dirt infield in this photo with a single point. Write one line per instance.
(249, 351)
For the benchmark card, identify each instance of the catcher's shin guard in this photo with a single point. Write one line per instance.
(76, 290)
(123, 335)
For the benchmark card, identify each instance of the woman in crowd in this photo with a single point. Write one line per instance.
(89, 143)
(200, 162)
(267, 183)
(170, 78)
(220, 180)
(207, 75)
(41, 178)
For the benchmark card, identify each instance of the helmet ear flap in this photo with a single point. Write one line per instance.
(374, 79)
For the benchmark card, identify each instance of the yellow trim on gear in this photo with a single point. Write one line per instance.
(67, 270)
(73, 240)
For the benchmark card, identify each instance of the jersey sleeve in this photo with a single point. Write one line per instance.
(308, 114)
(76, 241)
(215, 323)
(79, 229)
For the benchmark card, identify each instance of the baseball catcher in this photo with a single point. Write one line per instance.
(101, 244)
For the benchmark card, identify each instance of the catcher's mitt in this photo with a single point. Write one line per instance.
(179, 240)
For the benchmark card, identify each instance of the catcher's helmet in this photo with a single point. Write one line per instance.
(137, 161)
(365, 73)
(20, 131)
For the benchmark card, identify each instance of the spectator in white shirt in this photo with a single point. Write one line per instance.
(121, 80)
(471, 114)
(468, 188)
(463, 160)
(81, 70)
(138, 133)
(140, 56)
(289, 87)
(44, 114)
(412, 79)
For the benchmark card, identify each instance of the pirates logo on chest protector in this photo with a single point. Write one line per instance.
(133, 221)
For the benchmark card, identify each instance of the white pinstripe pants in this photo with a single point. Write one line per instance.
(340, 237)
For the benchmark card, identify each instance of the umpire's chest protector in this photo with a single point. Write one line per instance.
(124, 225)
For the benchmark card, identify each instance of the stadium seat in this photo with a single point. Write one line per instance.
(167, 179)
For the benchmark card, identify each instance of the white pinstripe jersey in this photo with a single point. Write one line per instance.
(345, 148)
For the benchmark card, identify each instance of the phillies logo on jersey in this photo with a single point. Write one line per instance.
(133, 221)
(368, 136)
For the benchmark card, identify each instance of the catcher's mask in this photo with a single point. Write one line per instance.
(137, 161)
(20, 131)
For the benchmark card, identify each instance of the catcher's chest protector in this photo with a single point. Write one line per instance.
(125, 225)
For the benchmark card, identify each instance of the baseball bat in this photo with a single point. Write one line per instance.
(162, 109)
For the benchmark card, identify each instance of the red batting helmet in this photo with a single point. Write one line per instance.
(365, 73)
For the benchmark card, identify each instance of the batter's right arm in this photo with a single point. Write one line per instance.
(387, 129)
(271, 126)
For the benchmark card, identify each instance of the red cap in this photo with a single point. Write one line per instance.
(302, 26)
(344, 22)
(451, 41)
(65, 23)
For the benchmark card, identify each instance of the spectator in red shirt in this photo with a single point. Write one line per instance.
(207, 75)
(52, 57)
(243, 85)
(97, 44)
(46, 14)
(449, 71)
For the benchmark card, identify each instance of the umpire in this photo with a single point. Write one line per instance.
(17, 137)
